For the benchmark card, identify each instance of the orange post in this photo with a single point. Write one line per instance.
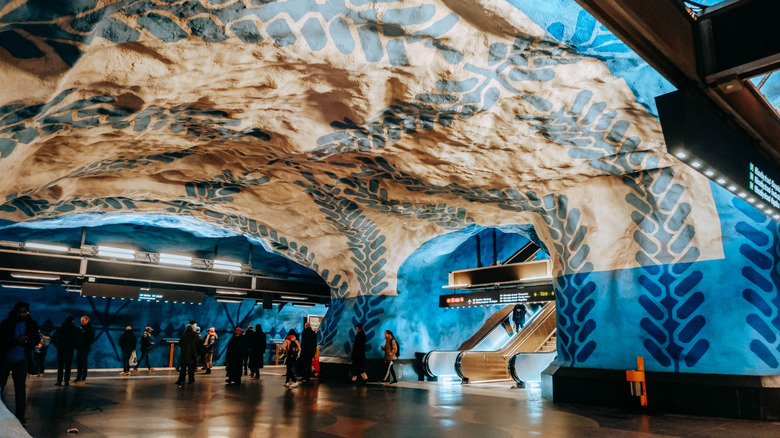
(277, 354)
(639, 384)
(170, 361)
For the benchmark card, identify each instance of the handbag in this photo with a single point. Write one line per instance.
(133, 360)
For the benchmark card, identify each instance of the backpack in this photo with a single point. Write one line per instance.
(293, 350)
(397, 349)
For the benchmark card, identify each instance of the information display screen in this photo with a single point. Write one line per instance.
(498, 296)
(763, 185)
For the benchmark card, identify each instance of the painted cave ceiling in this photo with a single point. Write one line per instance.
(343, 134)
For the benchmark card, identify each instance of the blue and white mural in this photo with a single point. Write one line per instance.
(347, 136)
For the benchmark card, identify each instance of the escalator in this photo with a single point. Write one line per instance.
(483, 365)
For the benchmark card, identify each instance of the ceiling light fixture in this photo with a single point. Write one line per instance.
(291, 297)
(228, 300)
(230, 292)
(114, 252)
(35, 276)
(21, 286)
(46, 246)
(174, 259)
(226, 266)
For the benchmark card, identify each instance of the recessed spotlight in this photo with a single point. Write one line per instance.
(681, 155)
(742, 195)
(751, 200)
(776, 216)
(732, 188)
(759, 206)
(709, 173)
(720, 181)
(696, 164)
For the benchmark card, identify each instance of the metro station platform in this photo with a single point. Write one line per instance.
(151, 405)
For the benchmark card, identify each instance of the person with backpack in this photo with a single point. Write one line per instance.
(391, 354)
(291, 348)
(308, 350)
(209, 343)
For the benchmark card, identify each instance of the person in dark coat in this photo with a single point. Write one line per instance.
(291, 349)
(39, 353)
(18, 337)
(359, 354)
(65, 340)
(146, 346)
(127, 343)
(235, 357)
(518, 316)
(188, 354)
(86, 339)
(257, 351)
(308, 350)
(249, 336)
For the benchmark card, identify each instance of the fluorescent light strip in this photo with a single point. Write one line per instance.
(116, 255)
(290, 297)
(303, 304)
(228, 300)
(46, 246)
(115, 249)
(17, 286)
(172, 259)
(227, 266)
(230, 292)
(34, 276)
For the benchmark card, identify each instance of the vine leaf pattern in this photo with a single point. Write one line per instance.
(760, 248)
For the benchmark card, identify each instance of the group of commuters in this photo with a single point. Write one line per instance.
(67, 339)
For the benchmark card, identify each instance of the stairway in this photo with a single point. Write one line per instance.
(550, 345)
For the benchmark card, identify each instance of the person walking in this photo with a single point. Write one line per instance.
(291, 349)
(209, 343)
(86, 339)
(235, 357)
(39, 353)
(18, 337)
(308, 350)
(146, 346)
(127, 343)
(188, 354)
(249, 336)
(359, 354)
(65, 339)
(391, 354)
(257, 350)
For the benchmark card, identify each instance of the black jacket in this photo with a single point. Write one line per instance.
(258, 341)
(309, 342)
(8, 340)
(127, 341)
(146, 342)
(188, 347)
(235, 349)
(86, 337)
(359, 348)
(66, 337)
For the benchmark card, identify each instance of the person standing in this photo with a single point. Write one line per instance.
(146, 346)
(127, 343)
(18, 337)
(391, 354)
(39, 354)
(249, 336)
(86, 339)
(359, 354)
(209, 343)
(518, 316)
(65, 339)
(308, 350)
(257, 350)
(235, 357)
(188, 354)
(291, 349)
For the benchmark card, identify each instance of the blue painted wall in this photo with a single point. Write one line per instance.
(50, 306)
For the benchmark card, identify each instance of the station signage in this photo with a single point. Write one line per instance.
(498, 296)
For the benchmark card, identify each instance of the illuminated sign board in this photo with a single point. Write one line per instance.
(705, 140)
(498, 296)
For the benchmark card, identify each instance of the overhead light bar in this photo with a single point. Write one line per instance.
(35, 276)
(114, 252)
(174, 259)
(46, 246)
(229, 300)
(303, 304)
(74, 289)
(20, 286)
(290, 297)
(226, 265)
(230, 292)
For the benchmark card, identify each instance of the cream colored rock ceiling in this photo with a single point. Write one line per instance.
(344, 134)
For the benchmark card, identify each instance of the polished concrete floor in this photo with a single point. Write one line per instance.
(151, 405)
